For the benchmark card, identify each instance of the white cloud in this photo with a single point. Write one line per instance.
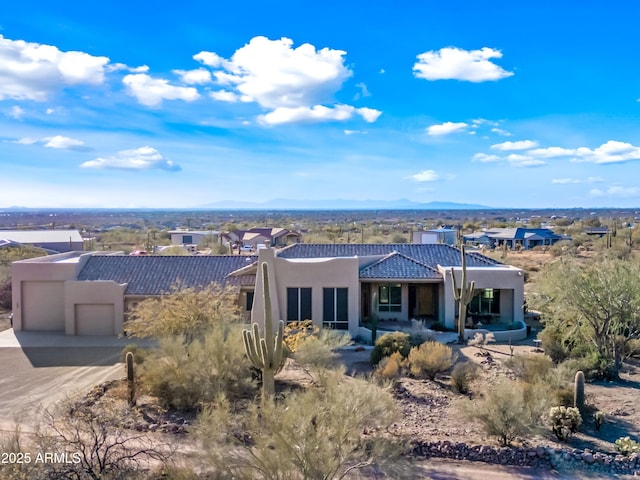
(446, 128)
(32, 71)
(453, 63)
(610, 152)
(210, 59)
(60, 142)
(225, 96)
(502, 132)
(317, 113)
(484, 158)
(364, 91)
(519, 145)
(144, 158)
(616, 191)
(16, 112)
(354, 132)
(26, 141)
(517, 160)
(294, 84)
(552, 152)
(425, 176)
(151, 91)
(50, 111)
(199, 76)
(564, 181)
(114, 67)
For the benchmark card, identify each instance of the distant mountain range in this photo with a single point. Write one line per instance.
(340, 204)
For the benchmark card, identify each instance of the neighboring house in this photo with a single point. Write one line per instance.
(193, 237)
(332, 285)
(596, 231)
(274, 237)
(526, 238)
(51, 240)
(448, 236)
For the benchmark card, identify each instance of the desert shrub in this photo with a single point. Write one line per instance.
(389, 343)
(562, 247)
(418, 334)
(430, 359)
(530, 368)
(632, 348)
(5, 287)
(139, 353)
(593, 366)
(319, 351)
(502, 412)
(391, 367)
(315, 433)
(462, 375)
(553, 343)
(296, 332)
(440, 327)
(627, 446)
(564, 421)
(187, 375)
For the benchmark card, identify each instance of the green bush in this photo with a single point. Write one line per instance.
(462, 375)
(564, 421)
(391, 367)
(430, 359)
(530, 368)
(626, 446)
(502, 412)
(187, 375)
(390, 343)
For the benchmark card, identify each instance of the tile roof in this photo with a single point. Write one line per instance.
(399, 266)
(154, 275)
(429, 255)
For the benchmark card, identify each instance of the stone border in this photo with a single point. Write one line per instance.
(537, 457)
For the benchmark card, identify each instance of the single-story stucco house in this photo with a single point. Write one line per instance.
(332, 285)
(526, 238)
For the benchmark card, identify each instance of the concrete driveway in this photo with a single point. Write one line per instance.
(37, 369)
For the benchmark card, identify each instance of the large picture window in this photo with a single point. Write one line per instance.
(390, 297)
(485, 302)
(335, 303)
(298, 304)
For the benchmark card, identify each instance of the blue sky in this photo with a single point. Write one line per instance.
(135, 104)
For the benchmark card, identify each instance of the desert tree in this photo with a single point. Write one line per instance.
(185, 311)
(597, 302)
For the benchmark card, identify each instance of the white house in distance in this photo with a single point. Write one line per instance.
(193, 237)
(53, 240)
(436, 235)
(331, 284)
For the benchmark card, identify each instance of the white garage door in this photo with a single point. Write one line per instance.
(43, 305)
(94, 319)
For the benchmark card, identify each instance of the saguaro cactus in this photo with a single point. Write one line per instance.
(265, 352)
(578, 391)
(463, 295)
(131, 382)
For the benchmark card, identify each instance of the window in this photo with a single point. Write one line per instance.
(390, 298)
(249, 305)
(298, 304)
(335, 308)
(485, 302)
(187, 239)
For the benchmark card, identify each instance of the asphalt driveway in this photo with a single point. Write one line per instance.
(38, 369)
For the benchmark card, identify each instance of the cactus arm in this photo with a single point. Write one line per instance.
(265, 352)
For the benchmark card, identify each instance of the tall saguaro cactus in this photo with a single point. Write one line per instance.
(131, 385)
(463, 295)
(266, 352)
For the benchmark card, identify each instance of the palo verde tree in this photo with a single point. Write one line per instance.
(186, 312)
(596, 302)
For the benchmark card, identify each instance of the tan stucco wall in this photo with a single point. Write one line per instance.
(50, 273)
(93, 293)
(316, 274)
